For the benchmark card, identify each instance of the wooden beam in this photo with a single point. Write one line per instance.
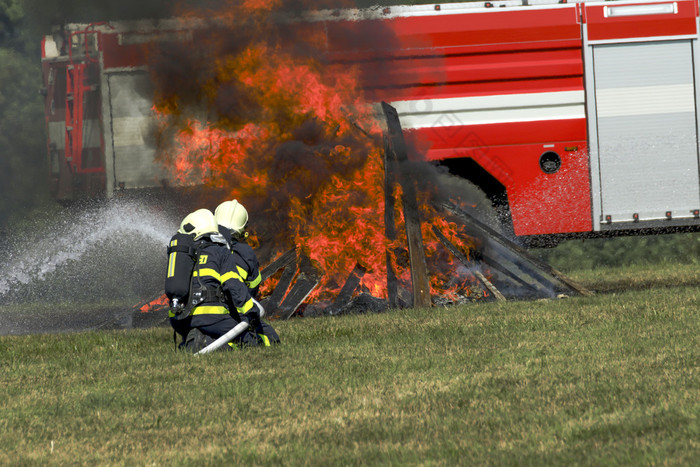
(389, 180)
(283, 261)
(392, 286)
(526, 260)
(273, 302)
(307, 280)
(345, 294)
(499, 257)
(469, 264)
(419, 268)
(505, 271)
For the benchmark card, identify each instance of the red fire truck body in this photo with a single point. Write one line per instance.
(581, 117)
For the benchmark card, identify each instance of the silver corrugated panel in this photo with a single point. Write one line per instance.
(647, 133)
(133, 130)
(57, 134)
(91, 133)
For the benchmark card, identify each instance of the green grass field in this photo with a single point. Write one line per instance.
(606, 380)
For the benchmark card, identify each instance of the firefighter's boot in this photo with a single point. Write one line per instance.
(195, 341)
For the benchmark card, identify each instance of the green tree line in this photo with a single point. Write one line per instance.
(22, 135)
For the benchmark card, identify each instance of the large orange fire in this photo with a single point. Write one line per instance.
(255, 107)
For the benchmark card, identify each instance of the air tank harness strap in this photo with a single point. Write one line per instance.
(207, 294)
(181, 249)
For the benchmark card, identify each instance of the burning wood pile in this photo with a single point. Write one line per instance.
(277, 115)
(519, 274)
(484, 264)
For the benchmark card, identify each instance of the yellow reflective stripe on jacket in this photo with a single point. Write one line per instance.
(265, 340)
(205, 310)
(243, 275)
(210, 310)
(246, 306)
(171, 260)
(208, 272)
(253, 284)
(228, 276)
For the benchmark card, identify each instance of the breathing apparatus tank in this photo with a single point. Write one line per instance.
(182, 257)
(181, 260)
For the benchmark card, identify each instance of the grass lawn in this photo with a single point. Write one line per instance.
(605, 380)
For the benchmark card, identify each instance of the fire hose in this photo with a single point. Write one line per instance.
(232, 334)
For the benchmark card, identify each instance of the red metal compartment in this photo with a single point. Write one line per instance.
(496, 53)
(617, 20)
(122, 56)
(488, 27)
(482, 52)
(540, 203)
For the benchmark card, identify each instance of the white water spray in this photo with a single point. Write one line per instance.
(64, 237)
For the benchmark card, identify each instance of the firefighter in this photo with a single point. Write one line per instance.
(199, 312)
(232, 218)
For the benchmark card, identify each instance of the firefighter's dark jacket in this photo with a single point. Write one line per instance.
(216, 265)
(247, 265)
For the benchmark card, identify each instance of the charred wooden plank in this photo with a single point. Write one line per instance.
(307, 280)
(389, 222)
(273, 302)
(419, 268)
(283, 261)
(510, 275)
(392, 283)
(545, 284)
(516, 266)
(513, 269)
(516, 249)
(345, 294)
(389, 180)
(469, 264)
(301, 290)
(287, 262)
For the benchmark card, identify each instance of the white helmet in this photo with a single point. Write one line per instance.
(200, 223)
(232, 215)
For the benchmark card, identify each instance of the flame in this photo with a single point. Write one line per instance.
(156, 304)
(265, 116)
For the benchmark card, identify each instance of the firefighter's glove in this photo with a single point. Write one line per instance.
(252, 318)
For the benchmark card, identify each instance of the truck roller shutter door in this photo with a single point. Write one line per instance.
(647, 130)
(133, 130)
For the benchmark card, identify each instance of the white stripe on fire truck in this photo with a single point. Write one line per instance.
(479, 110)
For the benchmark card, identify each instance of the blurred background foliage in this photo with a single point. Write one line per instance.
(22, 136)
(23, 166)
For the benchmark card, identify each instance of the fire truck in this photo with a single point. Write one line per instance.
(580, 118)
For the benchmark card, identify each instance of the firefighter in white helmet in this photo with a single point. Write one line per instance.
(232, 218)
(201, 279)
